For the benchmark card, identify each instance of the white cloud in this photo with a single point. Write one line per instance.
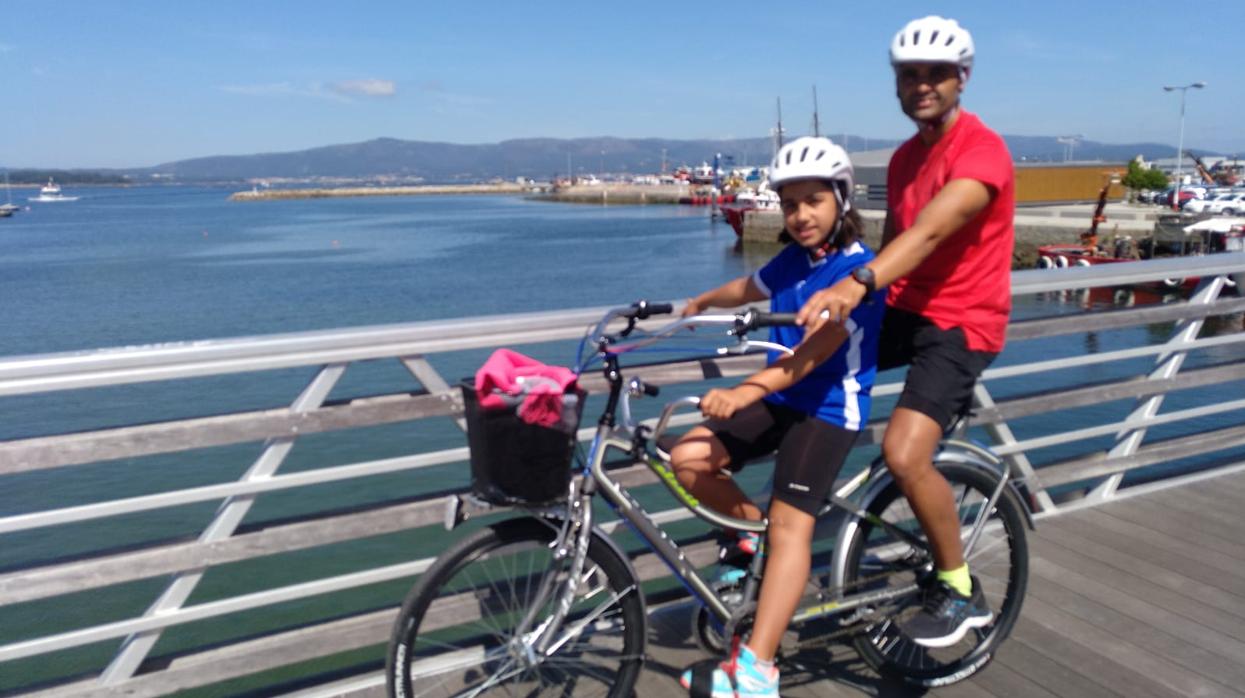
(6, 48)
(370, 87)
(284, 89)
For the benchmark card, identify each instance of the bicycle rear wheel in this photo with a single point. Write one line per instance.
(468, 624)
(999, 560)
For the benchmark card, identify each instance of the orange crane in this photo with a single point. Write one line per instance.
(1201, 169)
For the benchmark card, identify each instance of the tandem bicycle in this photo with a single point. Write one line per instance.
(548, 603)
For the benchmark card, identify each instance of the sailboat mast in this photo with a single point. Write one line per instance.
(816, 119)
(778, 131)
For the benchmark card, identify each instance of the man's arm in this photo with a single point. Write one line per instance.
(888, 230)
(953, 207)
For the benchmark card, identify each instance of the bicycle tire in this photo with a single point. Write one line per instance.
(439, 649)
(999, 560)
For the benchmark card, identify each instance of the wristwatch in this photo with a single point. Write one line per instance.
(864, 275)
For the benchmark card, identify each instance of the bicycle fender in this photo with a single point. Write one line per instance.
(881, 478)
(609, 542)
(602, 537)
(966, 453)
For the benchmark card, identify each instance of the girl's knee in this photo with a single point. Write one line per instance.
(789, 526)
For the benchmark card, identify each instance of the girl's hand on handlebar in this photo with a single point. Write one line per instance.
(692, 308)
(723, 403)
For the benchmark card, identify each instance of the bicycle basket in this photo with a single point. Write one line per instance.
(514, 463)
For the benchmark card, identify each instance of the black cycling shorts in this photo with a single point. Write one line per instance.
(943, 369)
(810, 451)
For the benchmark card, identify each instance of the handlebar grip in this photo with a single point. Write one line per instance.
(642, 309)
(774, 320)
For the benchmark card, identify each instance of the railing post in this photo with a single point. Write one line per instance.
(430, 379)
(1003, 436)
(136, 647)
(1167, 365)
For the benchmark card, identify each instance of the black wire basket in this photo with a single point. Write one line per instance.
(514, 463)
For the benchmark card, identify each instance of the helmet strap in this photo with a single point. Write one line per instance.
(835, 239)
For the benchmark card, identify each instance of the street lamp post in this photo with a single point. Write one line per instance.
(1180, 147)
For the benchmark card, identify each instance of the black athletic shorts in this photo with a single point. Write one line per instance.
(943, 369)
(810, 451)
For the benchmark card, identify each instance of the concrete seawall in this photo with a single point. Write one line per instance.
(619, 194)
(1035, 226)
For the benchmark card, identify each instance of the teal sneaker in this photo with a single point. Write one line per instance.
(735, 555)
(749, 679)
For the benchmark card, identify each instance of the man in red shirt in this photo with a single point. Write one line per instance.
(946, 255)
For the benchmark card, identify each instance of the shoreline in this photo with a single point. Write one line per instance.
(346, 192)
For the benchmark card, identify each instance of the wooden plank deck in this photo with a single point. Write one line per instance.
(1140, 597)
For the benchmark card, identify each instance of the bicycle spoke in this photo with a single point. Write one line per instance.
(996, 561)
(494, 606)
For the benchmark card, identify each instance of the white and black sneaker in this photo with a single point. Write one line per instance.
(946, 615)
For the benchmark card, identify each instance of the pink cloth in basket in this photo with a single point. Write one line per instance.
(540, 386)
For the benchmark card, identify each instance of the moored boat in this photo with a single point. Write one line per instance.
(761, 199)
(8, 208)
(51, 192)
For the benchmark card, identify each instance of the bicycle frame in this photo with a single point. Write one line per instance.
(669, 552)
(843, 514)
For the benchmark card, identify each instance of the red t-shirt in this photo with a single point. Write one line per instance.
(966, 281)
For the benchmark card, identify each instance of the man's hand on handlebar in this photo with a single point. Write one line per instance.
(832, 304)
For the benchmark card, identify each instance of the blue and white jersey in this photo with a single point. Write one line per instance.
(838, 390)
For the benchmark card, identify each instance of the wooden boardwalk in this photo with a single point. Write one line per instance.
(1140, 597)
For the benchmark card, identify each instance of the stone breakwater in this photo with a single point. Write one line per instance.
(423, 189)
(1035, 226)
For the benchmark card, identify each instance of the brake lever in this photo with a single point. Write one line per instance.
(746, 345)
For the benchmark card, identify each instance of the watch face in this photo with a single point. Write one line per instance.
(865, 276)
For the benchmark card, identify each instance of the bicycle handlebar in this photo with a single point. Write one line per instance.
(739, 324)
(664, 420)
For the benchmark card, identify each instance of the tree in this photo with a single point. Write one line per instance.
(1139, 177)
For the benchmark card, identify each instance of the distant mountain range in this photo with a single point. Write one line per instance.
(394, 160)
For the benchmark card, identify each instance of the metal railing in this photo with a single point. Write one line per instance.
(1102, 455)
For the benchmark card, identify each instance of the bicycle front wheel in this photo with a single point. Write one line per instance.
(878, 558)
(469, 624)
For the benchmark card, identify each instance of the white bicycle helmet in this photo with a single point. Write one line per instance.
(814, 158)
(933, 39)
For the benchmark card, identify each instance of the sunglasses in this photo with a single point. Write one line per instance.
(932, 73)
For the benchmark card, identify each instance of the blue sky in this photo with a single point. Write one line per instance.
(119, 84)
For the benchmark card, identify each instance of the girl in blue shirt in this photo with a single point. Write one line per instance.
(808, 406)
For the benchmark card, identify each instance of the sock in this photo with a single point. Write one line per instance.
(752, 657)
(958, 579)
(747, 654)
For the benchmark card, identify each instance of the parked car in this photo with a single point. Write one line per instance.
(1186, 195)
(1223, 203)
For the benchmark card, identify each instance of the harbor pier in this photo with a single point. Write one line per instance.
(263, 549)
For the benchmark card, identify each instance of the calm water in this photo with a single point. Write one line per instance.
(145, 265)
(137, 266)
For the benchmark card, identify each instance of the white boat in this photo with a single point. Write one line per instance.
(51, 192)
(8, 208)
